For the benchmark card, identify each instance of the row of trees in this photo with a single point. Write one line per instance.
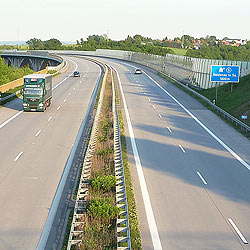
(136, 43)
(9, 73)
(222, 52)
(208, 47)
(38, 44)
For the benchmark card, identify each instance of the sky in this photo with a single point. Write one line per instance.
(70, 20)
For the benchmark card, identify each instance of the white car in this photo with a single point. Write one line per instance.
(138, 71)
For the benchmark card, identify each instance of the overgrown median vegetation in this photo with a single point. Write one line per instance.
(99, 228)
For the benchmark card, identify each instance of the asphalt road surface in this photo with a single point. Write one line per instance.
(33, 151)
(195, 168)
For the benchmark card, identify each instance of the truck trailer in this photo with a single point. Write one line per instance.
(37, 92)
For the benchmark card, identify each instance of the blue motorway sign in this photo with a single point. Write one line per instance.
(225, 73)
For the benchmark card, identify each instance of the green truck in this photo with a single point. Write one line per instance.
(37, 92)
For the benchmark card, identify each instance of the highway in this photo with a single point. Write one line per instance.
(34, 149)
(190, 169)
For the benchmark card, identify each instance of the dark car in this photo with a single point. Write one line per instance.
(138, 71)
(76, 74)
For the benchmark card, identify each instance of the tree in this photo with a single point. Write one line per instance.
(52, 44)
(35, 44)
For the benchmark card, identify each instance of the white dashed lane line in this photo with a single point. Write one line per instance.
(18, 156)
(38, 133)
(149, 99)
(64, 100)
(202, 178)
(182, 149)
(58, 107)
(169, 129)
(69, 93)
(49, 118)
(160, 116)
(238, 231)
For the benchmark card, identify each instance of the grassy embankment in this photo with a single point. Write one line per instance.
(236, 103)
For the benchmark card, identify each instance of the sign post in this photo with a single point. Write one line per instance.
(225, 74)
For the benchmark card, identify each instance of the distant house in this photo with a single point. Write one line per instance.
(233, 42)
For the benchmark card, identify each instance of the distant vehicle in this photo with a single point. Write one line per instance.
(138, 71)
(76, 74)
(37, 92)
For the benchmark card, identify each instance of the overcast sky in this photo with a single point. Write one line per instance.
(69, 20)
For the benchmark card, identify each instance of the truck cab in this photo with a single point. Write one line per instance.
(37, 92)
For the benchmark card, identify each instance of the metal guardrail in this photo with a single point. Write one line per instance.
(9, 96)
(123, 231)
(76, 231)
(237, 122)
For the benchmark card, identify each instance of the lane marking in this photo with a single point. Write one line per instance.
(144, 93)
(77, 85)
(38, 133)
(69, 93)
(160, 116)
(146, 199)
(153, 106)
(238, 231)
(202, 178)
(182, 149)
(80, 81)
(74, 88)
(58, 107)
(33, 178)
(199, 122)
(10, 119)
(49, 118)
(64, 100)
(20, 112)
(76, 66)
(169, 129)
(18, 156)
(149, 99)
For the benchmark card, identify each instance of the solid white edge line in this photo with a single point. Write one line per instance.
(182, 149)
(160, 116)
(38, 132)
(202, 178)
(147, 204)
(169, 129)
(49, 118)
(11, 118)
(199, 122)
(238, 231)
(18, 156)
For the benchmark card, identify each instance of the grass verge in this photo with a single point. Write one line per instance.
(209, 95)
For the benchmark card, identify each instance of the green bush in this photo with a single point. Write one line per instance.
(106, 183)
(9, 73)
(102, 209)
